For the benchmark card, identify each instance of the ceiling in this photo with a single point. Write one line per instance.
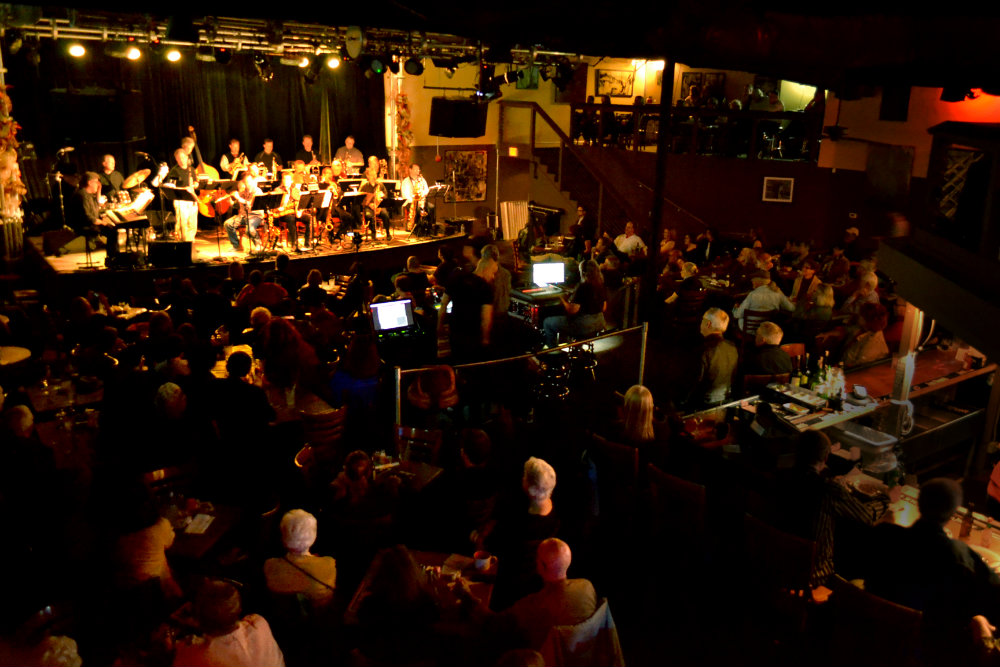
(839, 46)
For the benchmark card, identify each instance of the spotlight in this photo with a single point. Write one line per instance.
(304, 61)
(15, 39)
(223, 55)
(394, 64)
(414, 66)
(77, 50)
(205, 54)
(173, 55)
(378, 64)
(333, 62)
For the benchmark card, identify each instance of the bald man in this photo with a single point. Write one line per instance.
(561, 601)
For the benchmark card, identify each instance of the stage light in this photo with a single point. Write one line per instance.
(414, 66)
(304, 61)
(263, 67)
(77, 50)
(333, 62)
(378, 64)
(173, 55)
(133, 53)
(394, 64)
(15, 40)
(223, 55)
(312, 72)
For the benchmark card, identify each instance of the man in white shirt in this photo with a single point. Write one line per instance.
(630, 243)
(414, 192)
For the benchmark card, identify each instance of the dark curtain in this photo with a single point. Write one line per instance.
(92, 110)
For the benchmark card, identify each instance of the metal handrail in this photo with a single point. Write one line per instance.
(398, 372)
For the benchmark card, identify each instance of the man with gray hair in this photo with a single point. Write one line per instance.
(717, 362)
(764, 297)
(767, 357)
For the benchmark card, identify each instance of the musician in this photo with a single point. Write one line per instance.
(111, 179)
(181, 177)
(287, 213)
(271, 160)
(187, 145)
(307, 154)
(350, 156)
(337, 169)
(331, 203)
(85, 216)
(243, 197)
(232, 161)
(414, 193)
(375, 215)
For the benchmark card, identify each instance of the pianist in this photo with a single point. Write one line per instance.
(84, 214)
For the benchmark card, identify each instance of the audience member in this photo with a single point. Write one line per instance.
(584, 309)
(299, 572)
(717, 362)
(868, 344)
(767, 357)
(766, 296)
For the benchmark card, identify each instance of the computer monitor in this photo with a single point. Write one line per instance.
(391, 315)
(548, 273)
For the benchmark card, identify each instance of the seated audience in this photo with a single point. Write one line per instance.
(629, 242)
(298, 571)
(562, 601)
(805, 286)
(311, 295)
(940, 576)
(768, 358)
(868, 344)
(226, 639)
(717, 361)
(867, 292)
(837, 268)
(766, 296)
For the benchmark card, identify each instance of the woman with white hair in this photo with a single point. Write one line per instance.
(299, 571)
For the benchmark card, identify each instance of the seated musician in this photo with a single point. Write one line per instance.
(234, 160)
(85, 214)
(414, 193)
(307, 155)
(286, 214)
(272, 161)
(332, 208)
(111, 179)
(351, 157)
(244, 195)
(375, 216)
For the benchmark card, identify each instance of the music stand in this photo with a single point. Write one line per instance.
(228, 187)
(312, 200)
(267, 203)
(174, 193)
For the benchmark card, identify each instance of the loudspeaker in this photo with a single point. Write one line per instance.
(169, 254)
(125, 261)
(457, 117)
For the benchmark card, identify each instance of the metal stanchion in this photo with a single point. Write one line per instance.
(642, 351)
(398, 374)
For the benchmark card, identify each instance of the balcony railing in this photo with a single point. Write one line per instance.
(788, 135)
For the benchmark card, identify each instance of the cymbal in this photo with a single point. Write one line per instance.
(136, 178)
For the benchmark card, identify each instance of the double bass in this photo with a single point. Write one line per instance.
(211, 201)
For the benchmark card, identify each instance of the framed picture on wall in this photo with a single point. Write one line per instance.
(613, 82)
(689, 79)
(469, 168)
(715, 84)
(778, 189)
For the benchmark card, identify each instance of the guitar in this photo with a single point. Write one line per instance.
(206, 199)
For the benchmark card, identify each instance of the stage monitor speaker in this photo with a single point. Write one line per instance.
(170, 254)
(457, 117)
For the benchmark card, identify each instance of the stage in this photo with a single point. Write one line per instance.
(68, 275)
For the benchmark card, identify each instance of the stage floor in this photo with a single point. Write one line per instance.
(205, 250)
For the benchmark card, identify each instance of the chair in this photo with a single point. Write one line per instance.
(617, 477)
(753, 384)
(753, 319)
(417, 444)
(678, 507)
(856, 612)
(779, 566)
(323, 430)
(592, 643)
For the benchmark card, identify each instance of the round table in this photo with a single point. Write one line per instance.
(10, 354)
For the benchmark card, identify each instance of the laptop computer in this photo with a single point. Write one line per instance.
(393, 318)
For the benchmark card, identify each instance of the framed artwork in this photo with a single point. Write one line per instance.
(470, 175)
(529, 78)
(715, 82)
(689, 79)
(778, 189)
(616, 83)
